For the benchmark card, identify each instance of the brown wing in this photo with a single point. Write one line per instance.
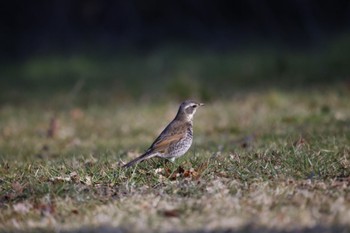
(174, 132)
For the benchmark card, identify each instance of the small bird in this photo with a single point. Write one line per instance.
(175, 140)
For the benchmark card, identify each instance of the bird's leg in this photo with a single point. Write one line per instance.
(167, 161)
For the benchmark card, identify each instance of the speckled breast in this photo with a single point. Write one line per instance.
(181, 147)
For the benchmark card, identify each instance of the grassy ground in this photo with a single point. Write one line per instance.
(263, 161)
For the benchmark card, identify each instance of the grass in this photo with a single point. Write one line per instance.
(173, 72)
(262, 161)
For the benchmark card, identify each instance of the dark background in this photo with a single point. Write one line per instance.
(42, 26)
(40, 39)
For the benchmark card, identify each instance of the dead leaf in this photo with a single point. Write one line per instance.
(195, 175)
(187, 173)
(174, 213)
(173, 175)
(75, 211)
(180, 170)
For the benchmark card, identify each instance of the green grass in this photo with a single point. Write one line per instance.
(173, 72)
(262, 161)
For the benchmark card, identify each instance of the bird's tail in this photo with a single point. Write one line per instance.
(142, 157)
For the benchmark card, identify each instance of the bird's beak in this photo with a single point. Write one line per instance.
(201, 104)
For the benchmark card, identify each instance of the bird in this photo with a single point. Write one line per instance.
(176, 139)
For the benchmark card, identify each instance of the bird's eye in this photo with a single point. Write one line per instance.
(194, 106)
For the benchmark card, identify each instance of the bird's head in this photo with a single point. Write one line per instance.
(187, 109)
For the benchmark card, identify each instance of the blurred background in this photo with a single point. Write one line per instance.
(95, 50)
